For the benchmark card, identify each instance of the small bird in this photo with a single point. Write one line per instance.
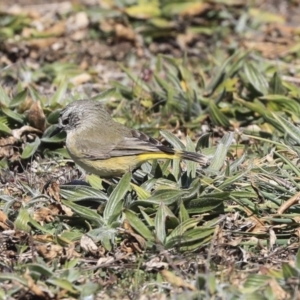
(107, 148)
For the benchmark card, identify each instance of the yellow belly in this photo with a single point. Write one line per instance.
(112, 167)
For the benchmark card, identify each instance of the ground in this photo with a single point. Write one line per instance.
(219, 77)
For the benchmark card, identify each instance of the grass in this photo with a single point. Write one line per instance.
(170, 229)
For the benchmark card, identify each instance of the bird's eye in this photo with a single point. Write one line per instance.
(65, 121)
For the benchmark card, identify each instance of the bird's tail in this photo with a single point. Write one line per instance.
(193, 156)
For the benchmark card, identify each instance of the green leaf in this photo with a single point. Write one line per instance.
(219, 157)
(113, 206)
(77, 193)
(166, 196)
(63, 284)
(5, 129)
(59, 95)
(289, 128)
(138, 225)
(217, 117)
(30, 148)
(160, 223)
(18, 99)
(229, 67)
(4, 99)
(173, 140)
(275, 86)
(22, 220)
(13, 115)
(255, 77)
(84, 212)
(40, 269)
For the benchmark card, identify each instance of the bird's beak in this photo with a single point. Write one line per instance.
(57, 130)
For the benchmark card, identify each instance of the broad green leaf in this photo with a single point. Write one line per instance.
(172, 139)
(18, 99)
(5, 129)
(113, 206)
(77, 193)
(160, 223)
(107, 95)
(30, 148)
(276, 86)
(141, 193)
(183, 214)
(63, 284)
(95, 181)
(217, 117)
(256, 78)
(144, 10)
(229, 67)
(13, 115)
(4, 99)
(219, 157)
(180, 230)
(22, 220)
(84, 212)
(289, 128)
(203, 141)
(43, 270)
(57, 98)
(166, 196)
(138, 225)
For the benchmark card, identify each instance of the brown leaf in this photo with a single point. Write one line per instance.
(280, 293)
(36, 116)
(141, 241)
(58, 29)
(33, 287)
(17, 133)
(5, 223)
(41, 43)
(87, 244)
(176, 281)
(53, 190)
(43, 214)
(81, 78)
(49, 251)
(155, 264)
(125, 33)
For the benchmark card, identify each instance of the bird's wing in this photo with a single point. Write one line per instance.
(125, 145)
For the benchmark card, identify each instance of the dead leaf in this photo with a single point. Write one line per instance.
(125, 33)
(36, 116)
(49, 251)
(5, 223)
(105, 261)
(141, 241)
(53, 190)
(277, 290)
(80, 79)
(287, 204)
(18, 133)
(176, 280)
(58, 29)
(41, 43)
(33, 287)
(42, 215)
(155, 264)
(88, 244)
(78, 22)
